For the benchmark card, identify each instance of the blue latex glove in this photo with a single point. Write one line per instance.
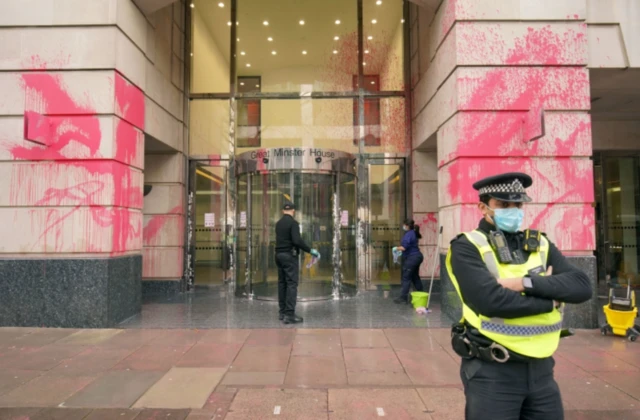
(315, 253)
(396, 255)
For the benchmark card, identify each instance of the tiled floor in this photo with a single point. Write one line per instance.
(286, 373)
(216, 309)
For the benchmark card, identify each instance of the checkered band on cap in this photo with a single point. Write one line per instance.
(514, 187)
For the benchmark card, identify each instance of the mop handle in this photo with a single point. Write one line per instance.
(433, 271)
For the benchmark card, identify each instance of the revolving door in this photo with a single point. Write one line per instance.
(322, 184)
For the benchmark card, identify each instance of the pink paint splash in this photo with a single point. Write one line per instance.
(518, 91)
(129, 102)
(74, 123)
(156, 223)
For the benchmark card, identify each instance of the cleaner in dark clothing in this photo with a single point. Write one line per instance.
(288, 246)
(412, 258)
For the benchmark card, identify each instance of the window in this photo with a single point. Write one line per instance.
(249, 116)
(371, 112)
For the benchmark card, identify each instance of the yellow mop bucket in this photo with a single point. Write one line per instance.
(419, 299)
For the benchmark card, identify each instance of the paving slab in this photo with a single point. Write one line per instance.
(18, 413)
(253, 378)
(177, 338)
(271, 337)
(316, 370)
(443, 403)
(387, 378)
(262, 359)
(13, 378)
(602, 415)
(317, 345)
(43, 336)
(210, 355)
(627, 382)
(61, 414)
(130, 339)
(225, 336)
(371, 360)
(220, 401)
(48, 390)
(397, 404)
(113, 414)
(593, 360)
(89, 337)
(202, 415)
(91, 360)
(592, 393)
(365, 338)
(156, 414)
(38, 358)
(115, 389)
(430, 368)
(279, 404)
(412, 339)
(152, 358)
(182, 388)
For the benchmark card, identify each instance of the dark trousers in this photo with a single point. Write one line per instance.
(411, 274)
(288, 271)
(511, 391)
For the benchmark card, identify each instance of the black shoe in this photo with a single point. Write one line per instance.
(401, 300)
(292, 319)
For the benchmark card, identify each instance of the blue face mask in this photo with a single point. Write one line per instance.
(406, 229)
(508, 220)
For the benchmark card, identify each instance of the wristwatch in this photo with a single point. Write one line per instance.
(527, 283)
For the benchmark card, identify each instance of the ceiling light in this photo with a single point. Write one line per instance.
(269, 39)
(304, 53)
(273, 53)
(248, 65)
(369, 37)
(373, 83)
(366, 51)
(364, 64)
(265, 23)
(242, 53)
(301, 22)
(193, 5)
(241, 83)
(237, 23)
(379, 2)
(220, 4)
(257, 86)
(335, 51)
(338, 22)
(228, 23)
(401, 20)
(191, 54)
(374, 21)
(238, 39)
(335, 38)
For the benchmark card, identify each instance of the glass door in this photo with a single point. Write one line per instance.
(387, 211)
(209, 230)
(621, 184)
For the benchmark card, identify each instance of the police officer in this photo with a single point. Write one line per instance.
(288, 245)
(512, 285)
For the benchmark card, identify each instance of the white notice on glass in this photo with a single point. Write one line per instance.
(209, 220)
(243, 219)
(344, 218)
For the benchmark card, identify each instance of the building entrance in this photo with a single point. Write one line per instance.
(322, 184)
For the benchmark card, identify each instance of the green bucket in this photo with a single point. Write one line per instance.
(419, 299)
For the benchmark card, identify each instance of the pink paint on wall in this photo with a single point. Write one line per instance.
(37, 128)
(129, 144)
(159, 262)
(428, 223)
(77, 124)
(129, 102)
(556, 180)
(158, 222)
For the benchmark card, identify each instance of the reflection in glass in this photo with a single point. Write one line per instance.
(210, 46)
(209, 127)
(387, 216)
(623, 220)
(348, 206)
(210, 223)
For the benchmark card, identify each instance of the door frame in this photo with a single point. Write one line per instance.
(188, 280)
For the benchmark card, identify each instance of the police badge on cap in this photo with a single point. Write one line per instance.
(288, 206)
(509, 187)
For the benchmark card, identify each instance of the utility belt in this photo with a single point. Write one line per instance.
(468, 343)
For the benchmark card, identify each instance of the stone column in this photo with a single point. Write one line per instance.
(488, 88)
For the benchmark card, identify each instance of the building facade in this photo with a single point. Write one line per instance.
(147, 145)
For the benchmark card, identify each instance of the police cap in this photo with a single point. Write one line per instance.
(289, 206)
(509, 187)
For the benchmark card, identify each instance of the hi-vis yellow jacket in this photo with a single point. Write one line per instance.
(534, 336)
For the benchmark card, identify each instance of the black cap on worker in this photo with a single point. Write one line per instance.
(509, 187)
(289, 206)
